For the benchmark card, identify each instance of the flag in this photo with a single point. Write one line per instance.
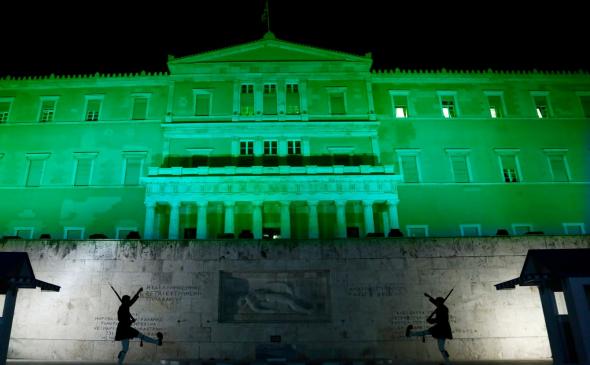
(265, 13)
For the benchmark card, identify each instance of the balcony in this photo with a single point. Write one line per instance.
(269, 161)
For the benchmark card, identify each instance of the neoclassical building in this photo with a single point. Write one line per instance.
(272, 139)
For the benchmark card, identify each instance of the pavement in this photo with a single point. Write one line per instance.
(331, 362)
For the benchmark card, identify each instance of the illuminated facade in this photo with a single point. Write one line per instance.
(276, 139)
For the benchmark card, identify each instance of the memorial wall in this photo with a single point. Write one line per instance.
(327, 299)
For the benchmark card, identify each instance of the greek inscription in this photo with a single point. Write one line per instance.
(383, 290)
(105, 327)
(166, 294)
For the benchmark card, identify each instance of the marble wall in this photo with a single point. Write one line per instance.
(331, 299)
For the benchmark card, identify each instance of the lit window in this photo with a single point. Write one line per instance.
(496, 105)
(92, 109)
(246, 148)
(293, 101)
(294, 147)
(400, 105)
(140, 107)
(448, 106)
(269, 101)
(47, 111)
(247, 100)
(542, 108)
(270, 148)
(509, 166)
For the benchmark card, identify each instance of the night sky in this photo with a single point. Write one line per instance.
(127, 36)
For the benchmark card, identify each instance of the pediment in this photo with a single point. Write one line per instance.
(266, 50)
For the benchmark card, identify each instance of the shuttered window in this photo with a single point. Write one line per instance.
(4, 110)
(460, 168)
(558, 168)
(83, 172)
(293, 100)
(132, 171)
(202, 105)
(410, 168)
(337, 104)
(585, 101)
(140, 105)
(269, 106)
(247, 100)
(35, 172)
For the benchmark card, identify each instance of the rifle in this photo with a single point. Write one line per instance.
(117, 294)
(432, 314)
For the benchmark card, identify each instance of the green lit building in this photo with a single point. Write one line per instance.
(276, 139)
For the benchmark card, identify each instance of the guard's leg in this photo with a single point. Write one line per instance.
(157, 341)
(443, 352)
(411, 333)
(124, 349)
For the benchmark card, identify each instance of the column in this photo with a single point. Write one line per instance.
(150, 214)
(285, 219)
(202, 219)
(6, 322)
(313, 229)
(578, 315)
(257, 219)
(368, 215)
(340, 218)
(228, 224)
(173, 227)
(552, 324)
(392, 210)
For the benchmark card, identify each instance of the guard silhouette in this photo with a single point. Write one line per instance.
(441, 329)
(124, 330)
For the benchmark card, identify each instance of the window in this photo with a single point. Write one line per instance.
(337, 104)
(574, 228)
(140, 107)
(246, 148)
(270, 147)
(521, 229)
(558, 164)
(24, 232)
(293, 101)
(294, 147)
(408, 163)
(496, 104)
(247, 100)
(73, 233)
(92, 109)
(460, 165)
(399, 101)
(509, 165)
(133, 165)
(202, 103)
(470, 230)
(122, 232)
(84, 168)
(585, 101)
(36, 168)
(542, 107)
(47, 111)
(5, 104)
(269, 106)
(448, 106)
(417, 230)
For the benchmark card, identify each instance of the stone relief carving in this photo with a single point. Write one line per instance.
(284, 296)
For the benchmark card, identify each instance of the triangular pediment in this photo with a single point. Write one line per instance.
(268, 49)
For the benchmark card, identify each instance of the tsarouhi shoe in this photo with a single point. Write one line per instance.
(409, 330)
(160, 338)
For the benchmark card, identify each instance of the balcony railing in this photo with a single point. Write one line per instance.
(269, 161)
